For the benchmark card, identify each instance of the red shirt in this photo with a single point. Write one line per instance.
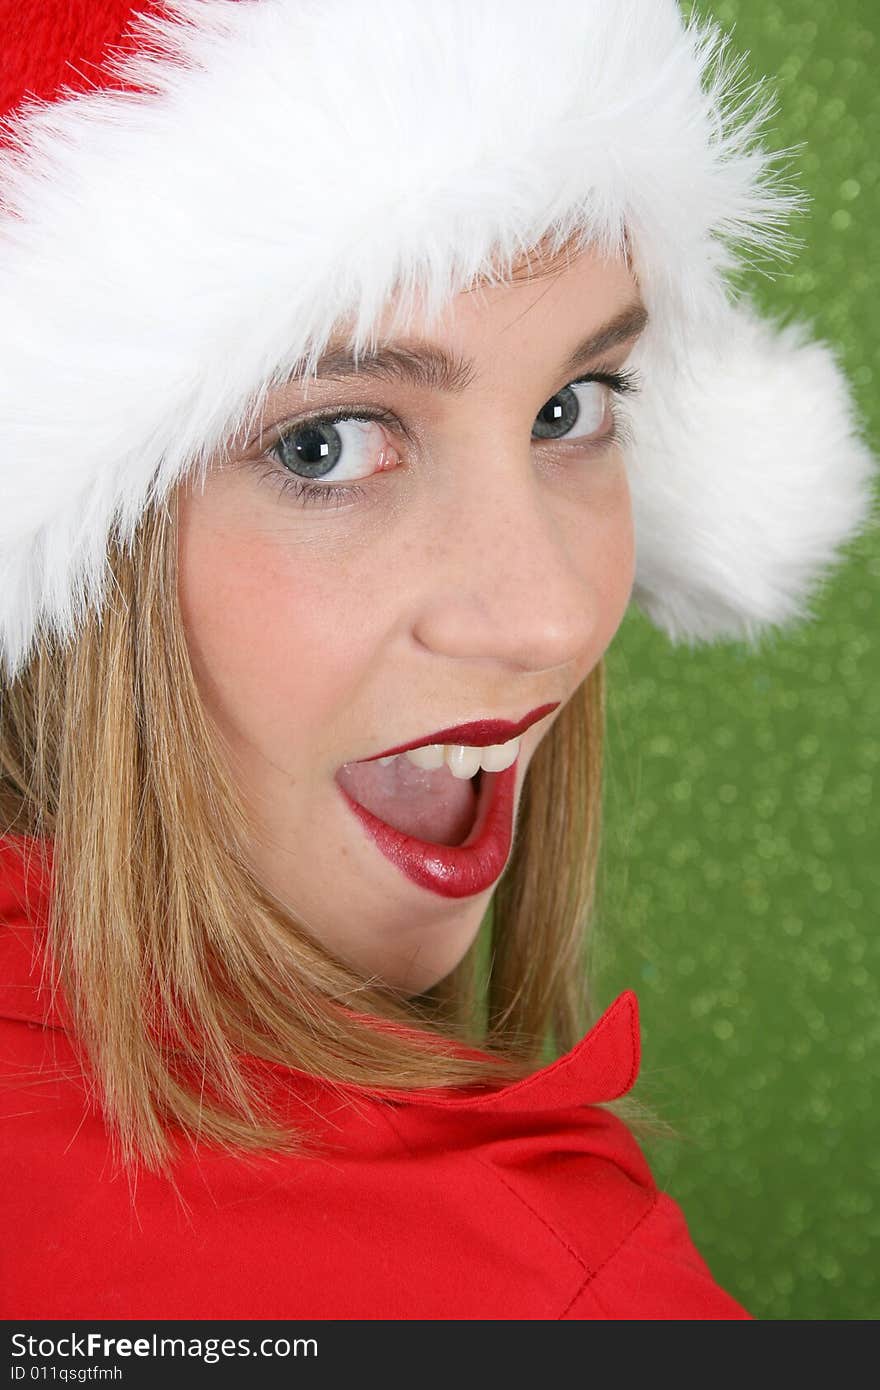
(525, 1201)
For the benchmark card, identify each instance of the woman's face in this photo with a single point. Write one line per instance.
(480, 573)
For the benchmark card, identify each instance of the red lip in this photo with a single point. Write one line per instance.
(478, 734)
(453, 871)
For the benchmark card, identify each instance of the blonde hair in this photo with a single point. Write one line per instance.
(173, 958)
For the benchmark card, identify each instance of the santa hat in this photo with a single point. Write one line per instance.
(193, 195)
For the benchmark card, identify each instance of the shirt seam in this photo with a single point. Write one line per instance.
(7, 1017)
(592, 1272)
(611, 1254)
(481, 1163)
(538, 1216)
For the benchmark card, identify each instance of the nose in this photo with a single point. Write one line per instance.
(507, 571)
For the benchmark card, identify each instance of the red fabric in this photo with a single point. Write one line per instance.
(50, 46)
(520, 1202)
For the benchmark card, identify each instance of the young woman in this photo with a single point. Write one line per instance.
(361, 363)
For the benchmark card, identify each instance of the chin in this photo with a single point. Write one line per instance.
(414, 982)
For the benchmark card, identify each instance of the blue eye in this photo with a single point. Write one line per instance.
(314, 448)
(575, 412)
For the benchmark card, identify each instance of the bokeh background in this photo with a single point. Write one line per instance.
(740, 886)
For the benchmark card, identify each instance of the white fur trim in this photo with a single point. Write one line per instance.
(166, 258)
(748, 475)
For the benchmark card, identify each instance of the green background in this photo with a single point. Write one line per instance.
(741, 878)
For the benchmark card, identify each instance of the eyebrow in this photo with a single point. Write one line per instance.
(432, 367)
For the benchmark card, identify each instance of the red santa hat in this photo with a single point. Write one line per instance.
(194, 195)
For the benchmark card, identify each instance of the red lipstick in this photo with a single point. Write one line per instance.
(480, 733)
(454, 871)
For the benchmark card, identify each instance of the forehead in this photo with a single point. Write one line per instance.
(599, 297)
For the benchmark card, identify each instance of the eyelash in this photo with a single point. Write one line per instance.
(622, 383)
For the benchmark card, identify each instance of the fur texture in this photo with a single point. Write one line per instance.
(170, 251)
(748, 474)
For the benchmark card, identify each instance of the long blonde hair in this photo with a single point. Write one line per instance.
(173, 958)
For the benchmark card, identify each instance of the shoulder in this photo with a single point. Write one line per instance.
(656, 1273)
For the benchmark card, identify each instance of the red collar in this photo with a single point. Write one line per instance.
(601, 1067)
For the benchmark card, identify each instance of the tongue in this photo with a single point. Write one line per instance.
(430, 805)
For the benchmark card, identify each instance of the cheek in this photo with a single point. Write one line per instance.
(606, 552)
(620, 570)
(271, 639)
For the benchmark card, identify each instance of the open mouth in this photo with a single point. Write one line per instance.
(430, 805)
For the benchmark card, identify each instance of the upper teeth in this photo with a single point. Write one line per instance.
(461, 760)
